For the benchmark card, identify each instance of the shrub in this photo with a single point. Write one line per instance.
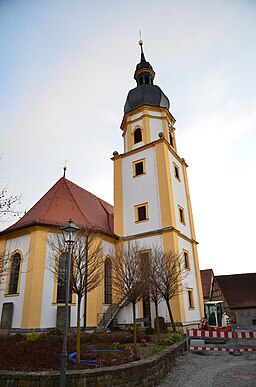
(33, 336)
(149, 331)
(171, 339)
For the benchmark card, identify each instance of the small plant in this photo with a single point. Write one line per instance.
(143, 342)
(149, 331)
(33, 336)
(116, 345)
(171, 339)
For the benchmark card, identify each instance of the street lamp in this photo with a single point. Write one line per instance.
(69, 233)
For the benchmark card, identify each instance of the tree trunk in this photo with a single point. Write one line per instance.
(170, 314)
(134, 326)
(157, 323)
(85, 306)
(78, 331)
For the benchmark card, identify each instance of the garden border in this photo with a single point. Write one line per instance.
(145, 372)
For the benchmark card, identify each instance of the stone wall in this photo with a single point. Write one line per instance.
(148, 372)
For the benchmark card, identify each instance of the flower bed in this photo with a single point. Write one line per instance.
(41, 352)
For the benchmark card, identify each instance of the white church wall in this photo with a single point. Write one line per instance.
(125, 314)
(49, 310)
(49, 307)
(156, 126)
(21, 244)
(190, 281)
(179, 195)
(134, 193)
(163, 311)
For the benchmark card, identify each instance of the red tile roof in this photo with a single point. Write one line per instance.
(239, 290)
(67, 200)
(206, 278)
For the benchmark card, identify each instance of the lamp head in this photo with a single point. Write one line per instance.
(69, 232)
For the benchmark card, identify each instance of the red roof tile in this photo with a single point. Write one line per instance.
(239, 290)
(206, 278)
(67, 200)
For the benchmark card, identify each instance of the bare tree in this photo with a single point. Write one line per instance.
(129, 276)
(8, 203)
(167, 274)
(154, 281)
(86, 270)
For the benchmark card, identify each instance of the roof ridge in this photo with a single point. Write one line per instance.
(236, 274)
(53, 196)
(66, 180)
(38, 201)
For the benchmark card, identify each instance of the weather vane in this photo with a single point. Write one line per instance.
(140, 41)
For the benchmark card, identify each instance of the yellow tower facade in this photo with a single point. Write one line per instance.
(151, 193)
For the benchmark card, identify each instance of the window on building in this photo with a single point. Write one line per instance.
(186, 259)
(108, 281)
(143, 264)
(139, 167)
(14, 274)
(170, 138)
(190, 298)
(181, 215)
(61, 285)
(137, 135)
(147, 79)
(176, 171)
(141, 212)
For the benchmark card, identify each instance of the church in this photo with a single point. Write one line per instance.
(151, 205)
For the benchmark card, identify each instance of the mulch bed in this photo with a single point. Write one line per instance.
(43, 354)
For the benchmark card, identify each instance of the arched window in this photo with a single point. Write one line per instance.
(137, 135)
(14, 274)
(61, 286)
(108, 281)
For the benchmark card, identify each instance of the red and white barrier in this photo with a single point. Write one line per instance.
(227, 335)
(192, 333)
(222, 349)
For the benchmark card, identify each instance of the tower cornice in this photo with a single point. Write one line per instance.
(127, 118)
(151, 145)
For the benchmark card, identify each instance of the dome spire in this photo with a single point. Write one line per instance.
(144, 72)
(145, 93)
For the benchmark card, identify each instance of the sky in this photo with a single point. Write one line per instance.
(66, 68)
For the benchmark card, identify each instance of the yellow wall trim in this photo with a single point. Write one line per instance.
(118, 197)
(31, 315)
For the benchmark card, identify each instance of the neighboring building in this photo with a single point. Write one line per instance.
(151, 205)
(207, 278)
(238, 291)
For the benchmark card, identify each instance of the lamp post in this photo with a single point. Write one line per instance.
(69, 233)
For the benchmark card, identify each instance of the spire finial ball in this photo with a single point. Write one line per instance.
(141, 42)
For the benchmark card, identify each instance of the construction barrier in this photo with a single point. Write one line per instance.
(196, 342)
(227, 335)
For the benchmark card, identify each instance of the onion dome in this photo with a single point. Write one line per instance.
(146, 93)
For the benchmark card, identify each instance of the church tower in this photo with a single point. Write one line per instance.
(151, 192)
